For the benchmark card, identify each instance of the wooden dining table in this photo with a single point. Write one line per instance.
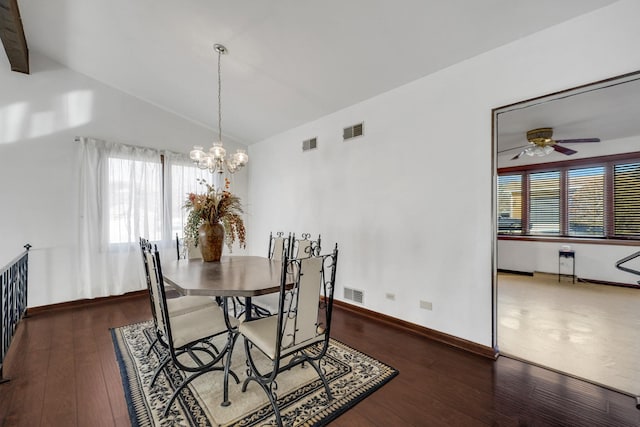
(237, 276)
(233, 276)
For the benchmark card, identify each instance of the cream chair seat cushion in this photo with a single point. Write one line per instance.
(262, 333)
(195, 325)
(182, 305)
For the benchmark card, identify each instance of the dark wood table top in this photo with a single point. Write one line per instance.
(241, 276)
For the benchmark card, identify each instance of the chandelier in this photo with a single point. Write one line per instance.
(215, 159)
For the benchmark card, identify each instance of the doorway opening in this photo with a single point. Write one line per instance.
(554, 310)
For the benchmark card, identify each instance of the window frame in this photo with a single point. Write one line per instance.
(608, 162)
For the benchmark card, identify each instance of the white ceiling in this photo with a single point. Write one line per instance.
(289, 61)
(607, 110)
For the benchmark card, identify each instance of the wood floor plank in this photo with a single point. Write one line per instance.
(24, 393)
(469, 381)
(91, 388)
(59, 403)
(67, 374)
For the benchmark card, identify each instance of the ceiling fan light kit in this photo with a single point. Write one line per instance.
(542, 143)
(537, 150)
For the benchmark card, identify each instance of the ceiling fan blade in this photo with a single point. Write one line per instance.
(571, 141)
(513, 148)
(517, 156)
(564, 150)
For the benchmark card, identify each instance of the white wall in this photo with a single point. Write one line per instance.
(410, 202)
(594, 262)
(40, 115)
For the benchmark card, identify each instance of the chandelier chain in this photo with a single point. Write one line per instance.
(219, 100)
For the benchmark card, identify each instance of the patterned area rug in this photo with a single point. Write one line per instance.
(352, 376)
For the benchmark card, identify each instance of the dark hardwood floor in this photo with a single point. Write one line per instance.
(64, 373)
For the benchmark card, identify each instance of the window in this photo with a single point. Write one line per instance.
(125, 193)
(626, 190)
(544, 203)
(510, 204)
(585, 200)
(594, 198)
(134, 200)
(146, 193)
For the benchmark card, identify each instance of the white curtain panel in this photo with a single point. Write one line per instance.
(120, 196)
(126, 193)
(182, 177)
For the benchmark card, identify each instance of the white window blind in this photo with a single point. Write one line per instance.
(626, 205)
(590, 198)
(510, 204)
(585, 199)
(544, 203)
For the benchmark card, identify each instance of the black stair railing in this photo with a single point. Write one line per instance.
(13, 301)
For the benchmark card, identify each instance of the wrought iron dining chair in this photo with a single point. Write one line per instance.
(177, 306)
(304, 247)
(263, 305)
(299, 333)
(186, 249)
(279, 245)
(188, 337)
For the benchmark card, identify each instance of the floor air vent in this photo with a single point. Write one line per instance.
(353, 131)
(310, 144)
(354, 295)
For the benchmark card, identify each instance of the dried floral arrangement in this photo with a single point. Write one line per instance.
(214, 207)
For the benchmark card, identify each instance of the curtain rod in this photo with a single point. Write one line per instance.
(159, 150)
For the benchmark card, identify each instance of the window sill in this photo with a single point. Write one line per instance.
(575, 240)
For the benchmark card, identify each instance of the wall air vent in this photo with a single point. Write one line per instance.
(353, 295)
(353, 131)
(310, 144)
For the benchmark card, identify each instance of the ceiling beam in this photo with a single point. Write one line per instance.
(12, 35)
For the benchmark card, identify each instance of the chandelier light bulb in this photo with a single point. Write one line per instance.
(217, 151)
(241, 157)
(232, 166)
(197, 154)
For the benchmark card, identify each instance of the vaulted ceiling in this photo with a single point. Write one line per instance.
(289, 61)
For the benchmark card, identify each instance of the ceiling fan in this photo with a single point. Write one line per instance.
(541, 143)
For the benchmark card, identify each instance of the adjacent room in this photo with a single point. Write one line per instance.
(346, 213)
(567, 207)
